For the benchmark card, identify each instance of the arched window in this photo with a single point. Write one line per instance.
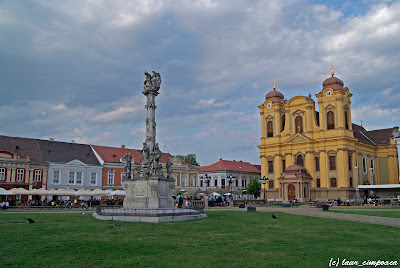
(330, 119)
(270, 129)
(283, 123)
(346, 120)
(298, 122)
(299, 160)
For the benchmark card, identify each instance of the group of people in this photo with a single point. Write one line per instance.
(4, 205)
(179, 202)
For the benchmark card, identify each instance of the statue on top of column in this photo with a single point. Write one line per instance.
(152, 83)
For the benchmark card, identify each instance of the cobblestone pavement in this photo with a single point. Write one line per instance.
(317, 212)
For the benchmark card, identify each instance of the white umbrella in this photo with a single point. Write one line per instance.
(100, 192)
(215, 193)
(40, 191)
(63, 192)
(228, 194)
(20, 191)
(82, 192)
(120, 193)
(5, 192)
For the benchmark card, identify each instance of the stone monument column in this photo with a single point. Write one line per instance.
(149, 188)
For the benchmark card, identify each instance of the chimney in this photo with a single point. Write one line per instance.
(220, 159)
(123, 146)
(73, 141)
(51, 139)
(240, 160)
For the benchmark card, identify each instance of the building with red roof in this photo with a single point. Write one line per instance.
(21, 164)
(110, 157)
(221, 171)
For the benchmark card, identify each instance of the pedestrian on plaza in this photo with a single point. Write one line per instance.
(179, 198)
(206, 203)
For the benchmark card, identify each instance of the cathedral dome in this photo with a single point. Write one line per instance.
(334, 83)
(275, 96)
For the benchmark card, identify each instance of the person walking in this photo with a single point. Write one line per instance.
(179, 199)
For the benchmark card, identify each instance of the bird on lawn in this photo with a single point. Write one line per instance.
(274, 217)
(117, 224)
(110, 226)
(30, 220)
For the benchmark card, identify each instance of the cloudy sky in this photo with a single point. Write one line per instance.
(73, 70)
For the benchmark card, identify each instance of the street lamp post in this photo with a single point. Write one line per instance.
(264, 181)
(231, 179)
(206, 179)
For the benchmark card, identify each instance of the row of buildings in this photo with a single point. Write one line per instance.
(34, 163)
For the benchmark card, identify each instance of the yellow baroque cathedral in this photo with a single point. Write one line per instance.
(318, 155)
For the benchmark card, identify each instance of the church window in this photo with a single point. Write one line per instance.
(316, 163)
(270, 129)
(270, 166)
(271, 184)
(350, 182)
(298, 122)
(283, 165)
(330, 119)
(318, 183)
(333, 182)
(283, 123)
(364, 164)
(299, 160)
(346, 119)
(350, 162)
(372, 164)
(332, 162)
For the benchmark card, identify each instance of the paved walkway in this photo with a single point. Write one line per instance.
(317, 212)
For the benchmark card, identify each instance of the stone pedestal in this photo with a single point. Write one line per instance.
(152, 194)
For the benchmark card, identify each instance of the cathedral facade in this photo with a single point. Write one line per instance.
(320, 155)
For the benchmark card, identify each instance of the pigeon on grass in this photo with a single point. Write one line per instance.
(274, 217)
(30, 220)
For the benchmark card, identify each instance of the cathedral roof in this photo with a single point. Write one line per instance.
(372, 137)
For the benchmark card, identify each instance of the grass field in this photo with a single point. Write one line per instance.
(224, 239)
(390, 214)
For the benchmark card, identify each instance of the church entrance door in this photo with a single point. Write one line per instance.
(291, 192)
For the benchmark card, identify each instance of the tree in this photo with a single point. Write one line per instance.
(254, 188)
(190, 158)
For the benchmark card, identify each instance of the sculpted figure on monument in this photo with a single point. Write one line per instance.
(126, 173)
(169, 168)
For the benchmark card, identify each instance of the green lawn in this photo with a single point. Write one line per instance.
(224, 239)
(390, 214)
